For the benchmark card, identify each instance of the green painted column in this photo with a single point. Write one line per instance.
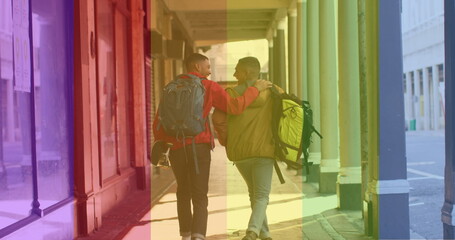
(292, 50)
(328, 93)
(371, 53)
(416, 102)
(363, 114)
(276, 61)
(313, 84)
(426, 99)
(349, 178)
(436, 101)
(270, 73)
(279, 54)
(302, 50)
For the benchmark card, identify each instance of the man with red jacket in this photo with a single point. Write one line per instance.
(192, 187)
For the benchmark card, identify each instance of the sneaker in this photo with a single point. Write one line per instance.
(250, 236)
(186, 238)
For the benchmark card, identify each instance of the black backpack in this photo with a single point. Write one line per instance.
(180, 112)
(292, 127)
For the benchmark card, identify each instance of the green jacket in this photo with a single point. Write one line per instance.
(249, 134)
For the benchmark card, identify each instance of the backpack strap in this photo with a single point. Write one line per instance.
(193, 144)
(306, 163)
(212, 131)
(316, 131)
(275, 91)
(275, 118)
(187, 75)
(196, 164)
(278, 172)
(184, 145)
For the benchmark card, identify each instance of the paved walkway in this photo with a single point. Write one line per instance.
(292, 215)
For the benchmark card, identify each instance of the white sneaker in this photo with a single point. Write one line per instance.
(186, 238)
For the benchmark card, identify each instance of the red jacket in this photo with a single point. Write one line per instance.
(215, 96)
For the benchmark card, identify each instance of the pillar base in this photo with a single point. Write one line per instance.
(328, 182)
(389, 202)
(448, 231)
(447, 221)
(390, 208)
(349, 196)
(368, 217)
(313, 176)
(87, 221)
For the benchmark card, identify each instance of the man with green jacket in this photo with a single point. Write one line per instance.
(249, 144)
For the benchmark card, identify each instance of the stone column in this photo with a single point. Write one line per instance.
(328, 93)
(409, 102)
(437, 102)
(313, 85)
(292, 51)
(416, 100)
(302, 50)
(349, 178)
(426, 99)
(275, 54)
(280, 56)
(270, 78)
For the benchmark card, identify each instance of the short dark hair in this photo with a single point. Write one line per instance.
(252, 64)
(193, 58)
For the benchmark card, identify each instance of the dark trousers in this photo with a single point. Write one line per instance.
(192, 188)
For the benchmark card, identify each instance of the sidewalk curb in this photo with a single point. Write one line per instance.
(328, 227)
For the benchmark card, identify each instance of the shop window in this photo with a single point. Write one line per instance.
(123, 80)
(106, 88)
(53, 100)
(16, 185)
(35, 111)
(113, 79)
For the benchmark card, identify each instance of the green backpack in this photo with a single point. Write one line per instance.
(292, 127)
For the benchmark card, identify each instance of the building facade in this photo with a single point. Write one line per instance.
(76, 126)
(423, 63)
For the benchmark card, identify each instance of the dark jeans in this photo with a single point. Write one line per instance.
(192, 188)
